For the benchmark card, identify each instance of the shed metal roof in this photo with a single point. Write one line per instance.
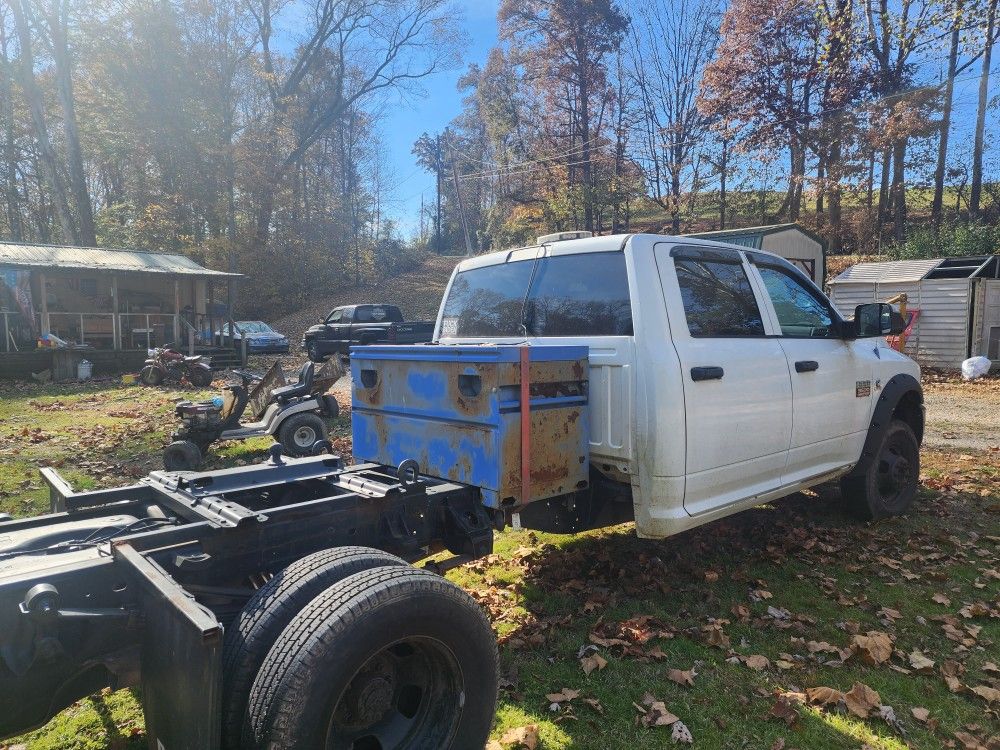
(101, 259)
(916, 270)
(753, 236)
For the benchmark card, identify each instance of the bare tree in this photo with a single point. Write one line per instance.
(361, 47)
(975, 191)
(21, 10)
(54, 26)
(671, 42)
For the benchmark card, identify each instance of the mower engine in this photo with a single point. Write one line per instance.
(199, 415)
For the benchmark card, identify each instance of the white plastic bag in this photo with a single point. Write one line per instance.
(975, 367)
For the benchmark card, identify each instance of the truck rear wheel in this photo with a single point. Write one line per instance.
(258, 625)
(888, 485)
(390, 658)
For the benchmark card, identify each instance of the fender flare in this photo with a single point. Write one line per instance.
(892, 393)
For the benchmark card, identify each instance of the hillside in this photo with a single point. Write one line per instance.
(418, 292)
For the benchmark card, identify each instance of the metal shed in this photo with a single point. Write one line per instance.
(792, 242)
(956, 300)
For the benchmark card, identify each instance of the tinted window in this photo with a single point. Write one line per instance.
(580, 295)
(571, 295)
(800, 312)
(377, 314)
(335, 316)
(718, 299)
(487, 301)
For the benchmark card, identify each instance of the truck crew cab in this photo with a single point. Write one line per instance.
(720, 377)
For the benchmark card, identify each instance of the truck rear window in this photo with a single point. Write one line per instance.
(570, 295)
(377, 314)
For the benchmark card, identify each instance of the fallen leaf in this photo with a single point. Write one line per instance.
(655, 714)
(920, 663)
(988, 694)
(681, 734)
(563, 696)
(682, 677)
(525, 737)
(715, 637)
(861, 699)
(592, 662)
(888, 715)
(784, 710)
(875, 647)
(942, 599)
(757, 662)
(594, 704)
(711, 576)
(969, 741)
(920, 714)
(824, 695)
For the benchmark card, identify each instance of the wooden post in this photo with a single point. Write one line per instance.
(177, 311)
(44, 293)
(116, 328)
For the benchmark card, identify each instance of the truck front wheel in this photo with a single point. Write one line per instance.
(389, 658)
(888, 485)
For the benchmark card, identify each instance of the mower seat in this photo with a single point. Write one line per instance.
(288, 392)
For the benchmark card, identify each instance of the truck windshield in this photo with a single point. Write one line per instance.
(570, 295)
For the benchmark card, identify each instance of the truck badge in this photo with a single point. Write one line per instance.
(863, 389)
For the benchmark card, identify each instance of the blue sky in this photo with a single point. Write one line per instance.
(430, 111)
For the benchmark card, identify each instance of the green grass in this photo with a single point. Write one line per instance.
(546, 594)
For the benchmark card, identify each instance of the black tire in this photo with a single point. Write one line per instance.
(312, 351)
(389, 658)
(258, 625)
(181, 455)
(200, 377)
(298, 430)
(150, 375)
(888, 485)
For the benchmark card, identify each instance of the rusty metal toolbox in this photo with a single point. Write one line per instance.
(457, 410)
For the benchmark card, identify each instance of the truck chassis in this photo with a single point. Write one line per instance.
(136, 586)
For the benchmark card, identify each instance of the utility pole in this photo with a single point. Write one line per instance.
(461, 203)
(439, 158)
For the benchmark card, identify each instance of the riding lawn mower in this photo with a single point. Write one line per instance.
(292, 414)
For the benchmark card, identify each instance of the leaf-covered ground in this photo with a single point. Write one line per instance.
(788, 626)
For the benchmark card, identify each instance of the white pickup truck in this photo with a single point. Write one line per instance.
(720, 377)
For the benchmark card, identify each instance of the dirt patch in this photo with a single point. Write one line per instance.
(962, 415)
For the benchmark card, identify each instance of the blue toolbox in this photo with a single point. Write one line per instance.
(457, 411)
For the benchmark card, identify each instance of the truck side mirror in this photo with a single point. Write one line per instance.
(877, 319)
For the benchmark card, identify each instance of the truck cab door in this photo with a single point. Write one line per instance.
(737, 391)
(832, 384)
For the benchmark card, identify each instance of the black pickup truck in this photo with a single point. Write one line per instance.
(363, 324)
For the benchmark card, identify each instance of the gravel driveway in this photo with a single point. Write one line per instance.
(962, 415)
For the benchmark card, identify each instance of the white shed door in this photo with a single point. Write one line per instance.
(991, 319)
